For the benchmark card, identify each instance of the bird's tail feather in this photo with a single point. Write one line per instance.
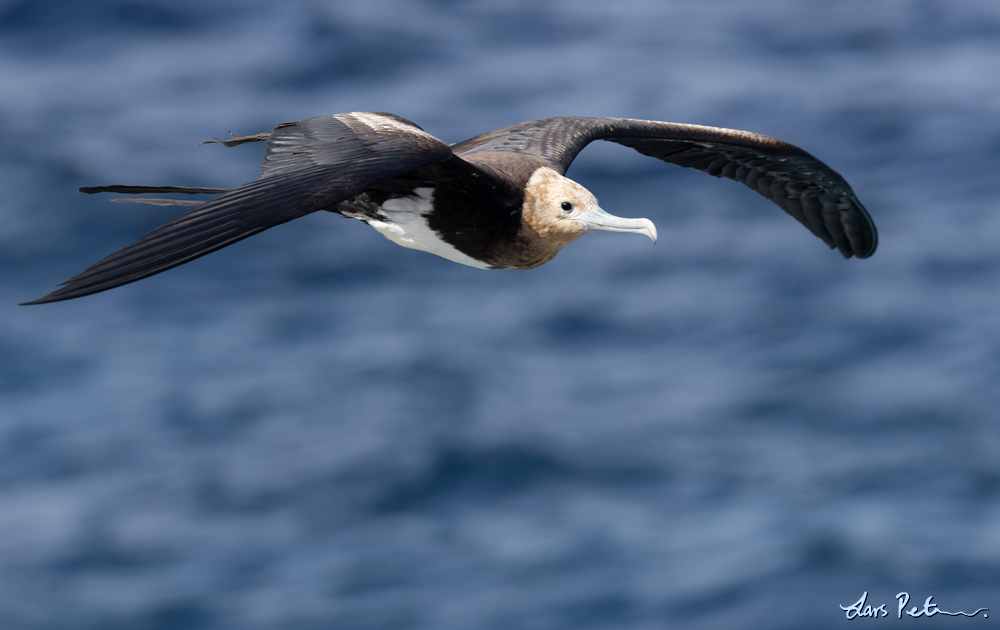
(230, 217)
(143, 190)
(159, 202)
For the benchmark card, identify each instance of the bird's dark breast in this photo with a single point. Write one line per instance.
(503, 239)
(473, 210)
(478, 220)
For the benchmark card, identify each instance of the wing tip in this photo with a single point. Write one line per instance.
(43, 300)
(870, 251)
(62, 294)
(872, 231)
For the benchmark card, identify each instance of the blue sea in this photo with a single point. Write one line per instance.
(318, 429)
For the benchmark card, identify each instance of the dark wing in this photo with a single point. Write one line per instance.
(804, 187)
(308, 166)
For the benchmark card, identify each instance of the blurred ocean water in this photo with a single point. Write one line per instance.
(315, 428)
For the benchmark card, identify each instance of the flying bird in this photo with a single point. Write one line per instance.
(496, 201)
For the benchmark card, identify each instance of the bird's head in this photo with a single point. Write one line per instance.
(559, 211)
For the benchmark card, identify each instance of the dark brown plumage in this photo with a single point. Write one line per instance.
(498, 200)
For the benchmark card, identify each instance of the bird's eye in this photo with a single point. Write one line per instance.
(567, 206)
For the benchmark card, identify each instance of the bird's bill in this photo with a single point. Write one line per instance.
(595, 218)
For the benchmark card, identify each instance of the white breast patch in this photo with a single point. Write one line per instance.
(408, 227)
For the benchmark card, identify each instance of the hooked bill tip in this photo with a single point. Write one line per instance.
(650, 230)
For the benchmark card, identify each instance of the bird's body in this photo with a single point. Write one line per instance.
(403, 220)
(497, 201)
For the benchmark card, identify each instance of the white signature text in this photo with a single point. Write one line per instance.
(862, 609)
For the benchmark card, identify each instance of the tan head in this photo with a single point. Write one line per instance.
(558, 211)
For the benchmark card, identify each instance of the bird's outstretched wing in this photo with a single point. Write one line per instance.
(308, 166)
(801, 185)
